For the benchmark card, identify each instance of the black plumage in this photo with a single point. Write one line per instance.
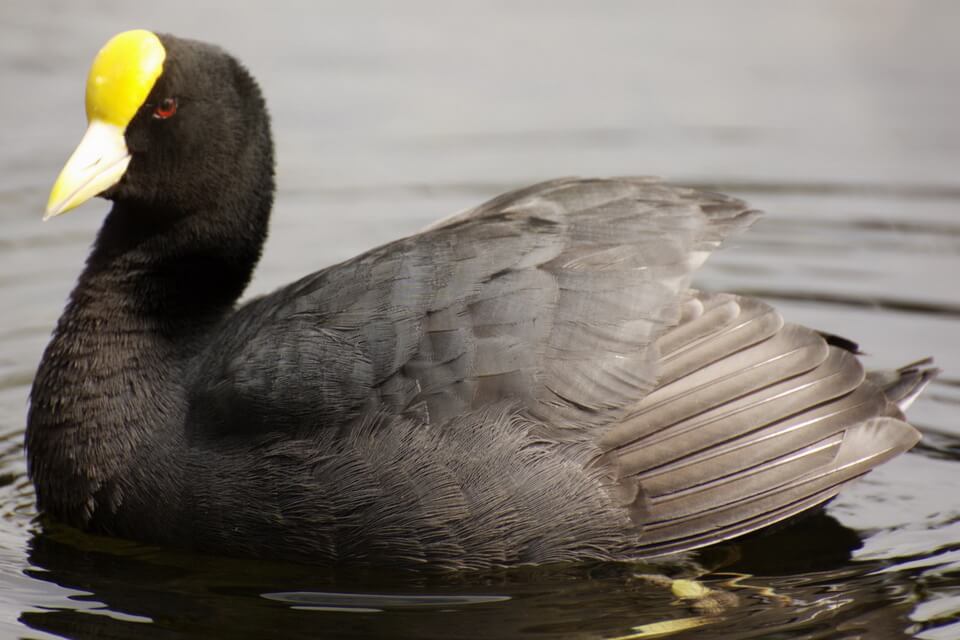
(526, 382)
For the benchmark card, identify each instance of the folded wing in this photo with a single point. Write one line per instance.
(754, 421)
(553, 296)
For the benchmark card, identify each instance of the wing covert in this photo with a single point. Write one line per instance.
(553, 295)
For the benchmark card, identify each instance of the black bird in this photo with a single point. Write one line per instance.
(530, 381)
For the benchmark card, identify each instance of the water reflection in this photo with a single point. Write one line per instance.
(798, 582)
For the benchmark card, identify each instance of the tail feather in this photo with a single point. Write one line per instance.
(903, 385)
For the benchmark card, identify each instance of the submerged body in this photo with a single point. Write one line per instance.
(530, 381)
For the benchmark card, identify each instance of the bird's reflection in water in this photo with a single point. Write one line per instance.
(798, 581)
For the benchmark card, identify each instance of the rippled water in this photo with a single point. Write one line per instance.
(839, 118)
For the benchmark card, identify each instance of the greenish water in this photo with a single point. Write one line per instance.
(838, 118)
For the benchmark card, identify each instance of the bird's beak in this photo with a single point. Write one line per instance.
(98, 163)
(120, 80)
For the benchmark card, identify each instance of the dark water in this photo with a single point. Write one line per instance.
(839, 118)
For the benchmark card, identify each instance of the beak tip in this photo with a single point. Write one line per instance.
(54, 208)
(98, 163)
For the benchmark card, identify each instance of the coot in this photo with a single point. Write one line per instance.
(530, 381)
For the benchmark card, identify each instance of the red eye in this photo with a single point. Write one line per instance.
(166, 108)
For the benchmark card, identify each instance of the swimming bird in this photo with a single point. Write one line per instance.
(530, 381)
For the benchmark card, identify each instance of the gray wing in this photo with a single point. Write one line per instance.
(754, 421)
(553, 296)
(702, 416)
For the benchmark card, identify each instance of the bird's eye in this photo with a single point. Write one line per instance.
(166, 108)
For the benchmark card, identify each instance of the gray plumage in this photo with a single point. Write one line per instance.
(533, 381)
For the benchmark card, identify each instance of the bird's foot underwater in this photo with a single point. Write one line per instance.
(709, 604)
(665, 628)
(693, 594)
(766, 592)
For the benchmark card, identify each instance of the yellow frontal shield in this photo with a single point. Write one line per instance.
(120, 79)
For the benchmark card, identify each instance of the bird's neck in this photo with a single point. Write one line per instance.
(108, 403)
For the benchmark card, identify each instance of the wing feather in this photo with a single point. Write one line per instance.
(757, 422)
(553, 296)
